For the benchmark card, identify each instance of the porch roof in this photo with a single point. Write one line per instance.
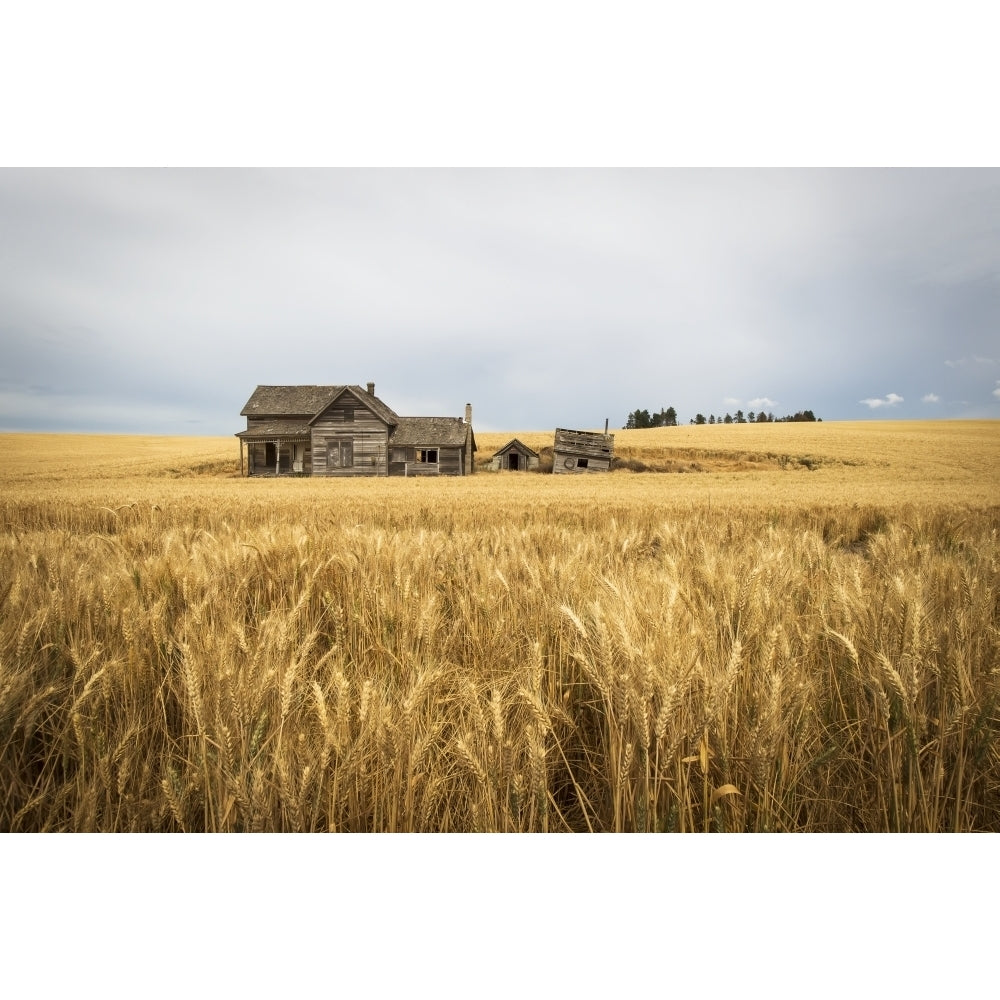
(276, 429)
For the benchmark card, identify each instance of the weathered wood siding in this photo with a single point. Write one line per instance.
(524, 463)
(403, 462)
(450, 461)
(398, 457)
(421, 469)
(579, 452)
(514, 457)
(348, 431)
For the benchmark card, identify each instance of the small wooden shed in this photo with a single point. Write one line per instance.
(582, 451)
(515, 456)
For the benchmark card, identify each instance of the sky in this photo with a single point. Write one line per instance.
(556, 212)
(155, 300)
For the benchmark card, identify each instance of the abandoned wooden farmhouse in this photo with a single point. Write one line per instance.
(582, 451)
(515, 456)
(344, 430)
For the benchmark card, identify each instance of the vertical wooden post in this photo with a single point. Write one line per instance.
(241, 456)
(277, 458)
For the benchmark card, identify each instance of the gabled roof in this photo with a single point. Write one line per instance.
(384, 413)
(430, 432)
(519, 445)
(309, 401)
(287, 400)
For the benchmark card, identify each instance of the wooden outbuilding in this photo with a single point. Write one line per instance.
(515, 456)
(344, 430)
(582, 451)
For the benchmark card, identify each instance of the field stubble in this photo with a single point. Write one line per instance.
(786, 648)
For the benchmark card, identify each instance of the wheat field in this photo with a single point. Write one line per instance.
(785, 627)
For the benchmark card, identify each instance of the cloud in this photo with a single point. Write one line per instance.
(890, 400)
(498, 287)
(977, 360)
(996, 391)
(931, 397)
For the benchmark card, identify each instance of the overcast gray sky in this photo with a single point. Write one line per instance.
(154, 300)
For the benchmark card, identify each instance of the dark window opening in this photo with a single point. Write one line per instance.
(428, 455)
(339, 454)
(582, 462)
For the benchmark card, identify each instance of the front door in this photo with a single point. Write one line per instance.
(512, 460)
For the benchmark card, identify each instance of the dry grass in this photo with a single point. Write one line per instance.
(769, 649)
(848, 459)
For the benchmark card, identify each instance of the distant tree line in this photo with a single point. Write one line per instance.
(639, 419)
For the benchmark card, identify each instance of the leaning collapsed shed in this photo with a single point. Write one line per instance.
(515, 456)
(582, 451)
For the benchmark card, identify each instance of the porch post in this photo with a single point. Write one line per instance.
(277, 457)
(241, 456)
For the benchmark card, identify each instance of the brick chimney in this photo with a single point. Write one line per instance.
(371, 388)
